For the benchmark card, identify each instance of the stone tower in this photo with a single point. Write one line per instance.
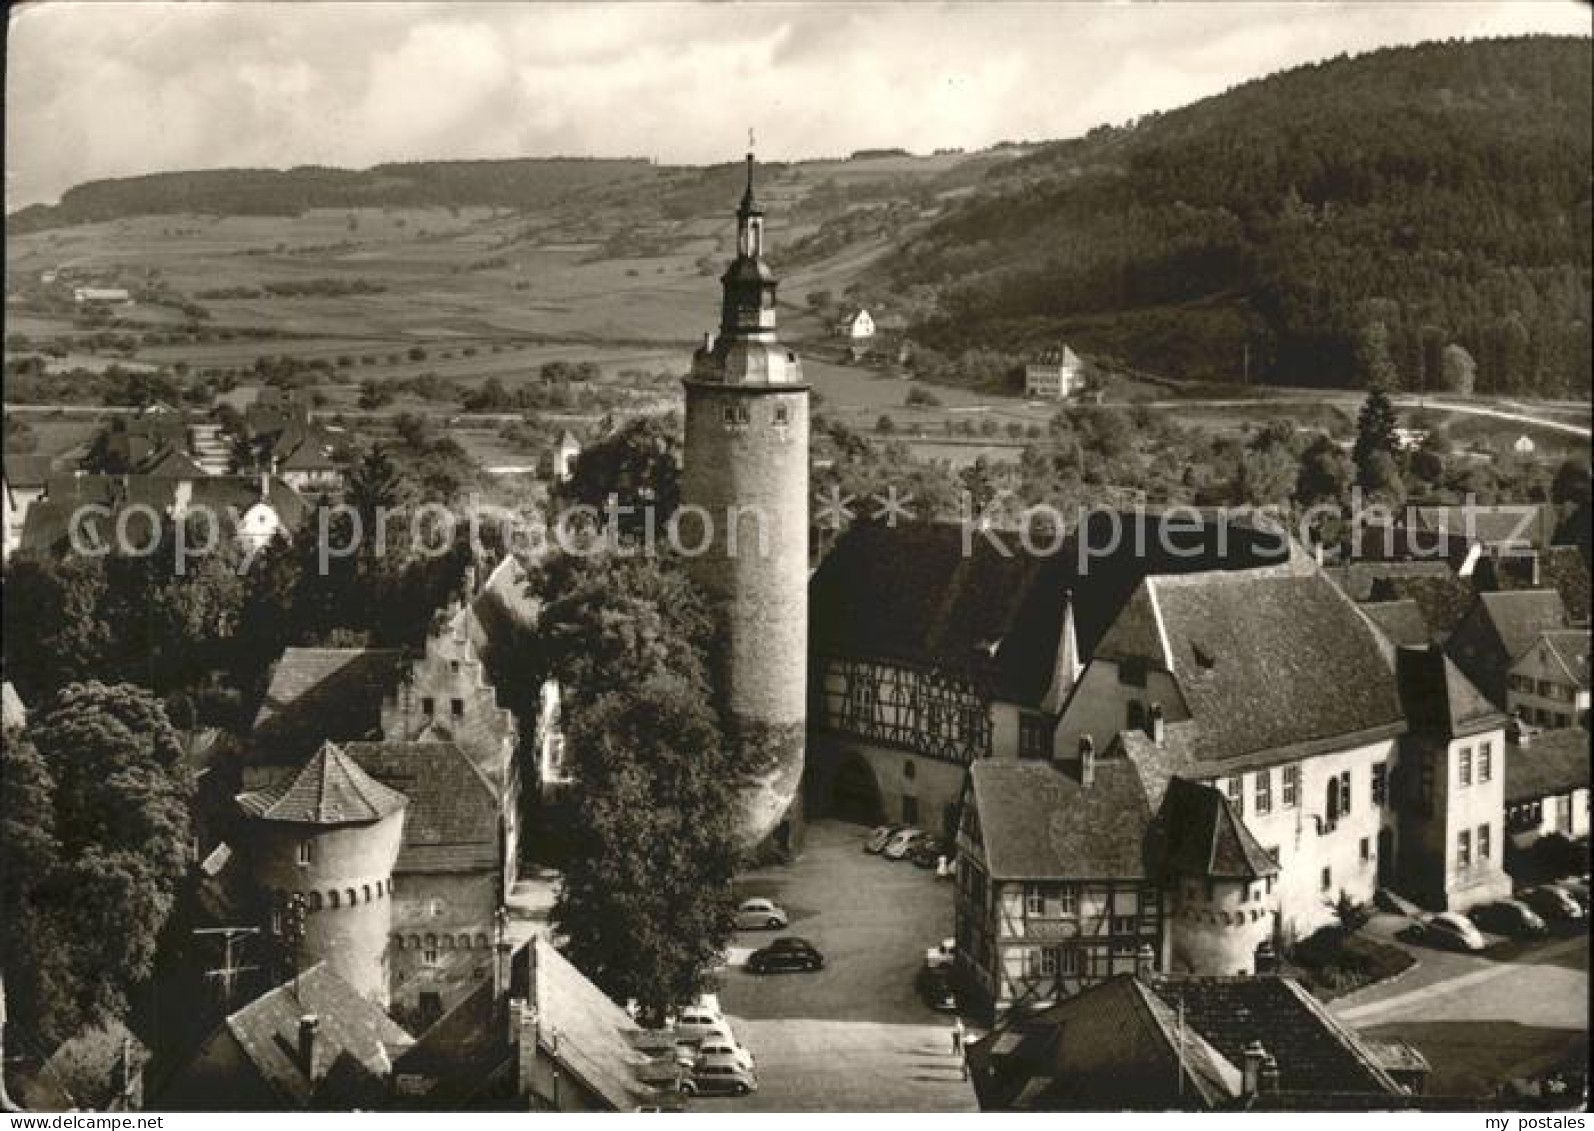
(331, 834)
(746, 477)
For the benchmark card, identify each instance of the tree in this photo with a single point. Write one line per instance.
(638, 465)
(55, 630)
(1374, 363)
(1571, 485)
(645, 905)
(1375, 430)
(120, 811)
(1383, 478)
(1458, 370)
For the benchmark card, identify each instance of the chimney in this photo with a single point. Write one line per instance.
(308, 1026)
(1087, 761)
(1267, 959)
(1268, 1077)
(1145, 959)
(708, 341)
(1533, 559)
(265, 485)
(1252, 1056)
(1154, 724)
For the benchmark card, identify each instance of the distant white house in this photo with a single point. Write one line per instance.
(856, 324)
(1410, 439)
(101, 294)
(560, 460)
(1524, 446)
(1054, 375)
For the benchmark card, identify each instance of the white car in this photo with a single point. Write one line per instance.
(941, 956)
(760, 914)
(703, 1025)
(715, 1050)
(897, 847)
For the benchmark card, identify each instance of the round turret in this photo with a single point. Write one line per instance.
(331, 834)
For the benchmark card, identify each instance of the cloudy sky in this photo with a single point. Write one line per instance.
(113, 89)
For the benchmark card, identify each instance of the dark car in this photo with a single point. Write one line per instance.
(776, 958)
(927, 853)
(793, 942)
(1509, 917)
(1553, 903)
(935, 986)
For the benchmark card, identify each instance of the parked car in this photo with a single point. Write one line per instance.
(773, 959)
(1576, 888)
(927, 852)
(935, 985)
(880, 837)
(1449, 930)
(941, 956)
(719, 1079)
(701, 1024)
(1509, 917)
(901, 841)
(714, 1049)
(1554, 903)
(760, 914)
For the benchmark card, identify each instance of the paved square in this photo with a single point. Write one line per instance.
(854, 1036)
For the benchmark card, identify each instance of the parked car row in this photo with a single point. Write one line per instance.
(1529, 915)
(904, 842)
(715, 1062)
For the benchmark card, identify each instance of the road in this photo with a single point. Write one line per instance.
(854, 1036)
(1514, 1010)
(1351, 400)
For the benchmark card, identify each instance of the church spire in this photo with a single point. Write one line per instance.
(1066, 669)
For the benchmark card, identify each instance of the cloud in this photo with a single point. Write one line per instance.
(117, 89)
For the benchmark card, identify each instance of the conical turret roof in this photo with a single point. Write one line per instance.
(330, 789)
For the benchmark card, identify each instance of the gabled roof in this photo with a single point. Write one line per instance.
(1267, 663)
(1063, 356)
(324, 693)
(452, 822)
(1569, 647)
(913, 594)
(1443, 598)
(169, 462)
(1059, 1050)
(1438, 697)
(1040, 822)
(1562, 568)
(583, 1030)
(1503, 526)
(331, 789)
(1360, 577)
(1555, 762)
(1196, 833)
(351, 1028)
(1314, 1052)
(1401, 621)
(1520, 615)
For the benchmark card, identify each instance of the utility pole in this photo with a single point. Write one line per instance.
(227, 974)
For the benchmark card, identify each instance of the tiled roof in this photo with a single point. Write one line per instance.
(1496, 526)
(912, 594)
(1039, 822)
(1554, 762)
(452, 821)
(1519, 616)
(171, 463)
(1315, 1053)
(1401, 621)
(1359, 578)
(1158, 763)
(331, 789)
(1562, 569)
(1196, 833)
(1122, 1012)
(1438, 697)
(1443, 598)
(324, 693)
(1265, 662)
(1570, 647)
(591, 1040)
(350, 1027)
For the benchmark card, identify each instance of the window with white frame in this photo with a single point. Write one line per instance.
(1485, 842)
(1485, 761)
(1034, 900)
(1264, 792)
(1380, 783)
(1464, 766)
(1237, 793)
(306, 852)
(1464, 848)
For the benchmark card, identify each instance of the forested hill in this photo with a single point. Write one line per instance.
(1337, 223)
(529, 183)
